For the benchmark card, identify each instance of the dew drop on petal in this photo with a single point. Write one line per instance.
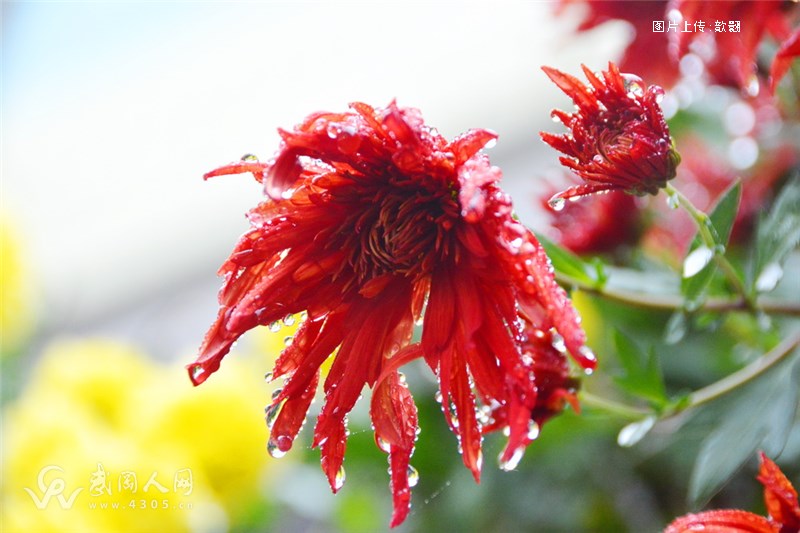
(752, 87)
(287, 341)
(533, 430)
(339, 479)
(288, 320)
(268, 377)
(512, 461)
(413, 476)
(556, 203)
(270, 414)
(197, 371)
(438, 396)
(383, 445)
(275, 327)
(274, 450)
(634, 85)
(557, 341)
(249, 158)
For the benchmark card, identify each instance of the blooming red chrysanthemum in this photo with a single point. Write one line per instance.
(618, 138)
(732, 60)
(648, 51)
(374, 222)
(781, 501)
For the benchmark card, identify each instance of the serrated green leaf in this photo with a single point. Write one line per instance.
(778, 234)
(570, 264)
(760, 416)
(642, 375)
(699, 269)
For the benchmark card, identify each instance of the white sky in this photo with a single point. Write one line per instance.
(111, 113)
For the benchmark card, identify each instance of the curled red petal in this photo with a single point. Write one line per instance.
(779, 495)
(239, 167)
(725, 521)
(291, 417)
(394, 416)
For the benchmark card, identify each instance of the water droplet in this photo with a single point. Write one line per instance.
(438, 396)
(490, 144)
(271, 413)
(556, 203)
(752, 87)
(635, 431)
(268, 377)
(401, 377)
(634, 85)
(512, 462)
(250, 158)
(287, 341)
(197, 371)
(769, 277)
(598, 159)
(673, 202)
(586, 353)
(413, 476)
(339, 479)
(533, 430)
(275, 327)
(384, 446)
(697, 261)
(557, 341)
(288, 320)
(274, 450)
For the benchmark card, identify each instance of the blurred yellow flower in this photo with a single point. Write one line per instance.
(16, 317)
(105, 439)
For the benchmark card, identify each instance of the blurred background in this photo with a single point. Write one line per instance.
(111, 113)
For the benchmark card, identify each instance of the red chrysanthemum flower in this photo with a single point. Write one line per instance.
(648, 51)
(781, 501)
(374, 222)
(618, 138)
(733, 58)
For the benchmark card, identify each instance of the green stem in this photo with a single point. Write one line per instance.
(669, 302)
(744, 375)
(713, 242)
(708, 393)
(611, 406)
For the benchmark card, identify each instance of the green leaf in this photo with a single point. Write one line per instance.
(759, 417)
(571, 265)
(641, 372)
(778, 234)
(699, 268)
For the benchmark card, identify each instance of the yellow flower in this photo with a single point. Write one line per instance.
(105, 439)
(16, 317)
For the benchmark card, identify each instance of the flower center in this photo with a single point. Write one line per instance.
(399, 230)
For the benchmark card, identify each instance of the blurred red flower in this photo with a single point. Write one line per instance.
(732, 59)
(597, 224)
(648, 51)
(374, 222)
(782, 507)
(618, 138)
